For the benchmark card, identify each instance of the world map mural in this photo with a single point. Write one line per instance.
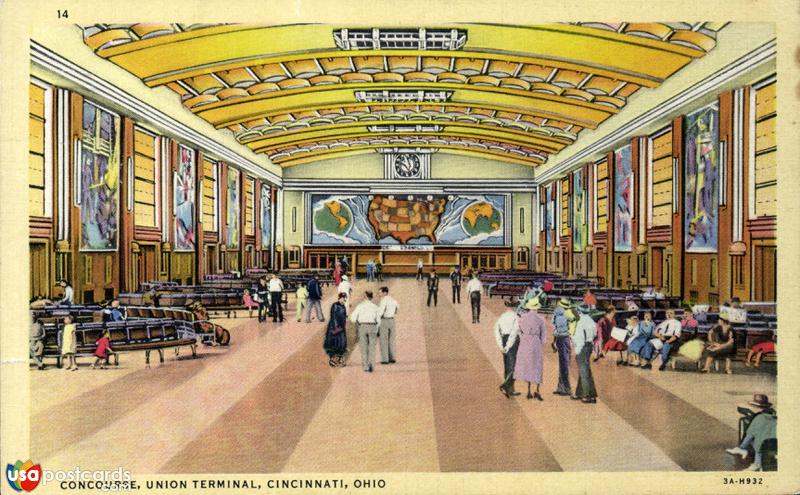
(408, 220)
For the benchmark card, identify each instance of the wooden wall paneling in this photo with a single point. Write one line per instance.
(128, 261)
(222, 215)
(744, 291)
(199, 253)
(76, 260)
(676, 256)
(726, 136)
(633, 275)
(611, 273)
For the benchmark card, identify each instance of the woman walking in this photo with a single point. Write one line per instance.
(530, 358)
(335, 344)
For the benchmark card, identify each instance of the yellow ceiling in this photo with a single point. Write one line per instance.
(300, 93)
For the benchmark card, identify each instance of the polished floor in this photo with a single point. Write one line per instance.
(271, 403)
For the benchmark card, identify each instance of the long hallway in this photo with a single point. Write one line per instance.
(270, 403)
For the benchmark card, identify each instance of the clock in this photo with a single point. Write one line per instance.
(407, 165)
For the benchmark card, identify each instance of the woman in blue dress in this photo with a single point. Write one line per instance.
(335, 344)
(640, 345)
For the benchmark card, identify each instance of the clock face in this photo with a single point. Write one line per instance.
(407, 165)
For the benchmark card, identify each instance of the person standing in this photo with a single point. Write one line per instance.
(366, 316)
(301, 296)
(455, 280)
(69, 343)
(433, 288)
(335, 343)
(314, 299)
(562, 344)
(379, 270)
(276, 296)
(474, 291)
(262, 294)
(604, 327)
(370, 270)
(530, 355)
(506, 333)
(388, 311)
(337, 273)
(346, 287)
(585, 332)
(419, 268)
(36, 341)
(103, 350)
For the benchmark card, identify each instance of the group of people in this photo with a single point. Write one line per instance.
(372, 322)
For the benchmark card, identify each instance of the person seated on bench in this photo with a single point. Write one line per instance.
(604, 327)
(69, 294)
(658, 293)
(762, 427)
(40, 302)
(688, 322)
(720, 344)
(150, 298)
(758, 351)
(36, 343)
(589, 299)
(103, 350)
(668, 332)
(630, 305)
(620, 343)
(649, 293)
(642, 346)
(113, 313)
(249, 303)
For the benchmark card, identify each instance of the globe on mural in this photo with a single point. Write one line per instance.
(334, 217)
(481, 217)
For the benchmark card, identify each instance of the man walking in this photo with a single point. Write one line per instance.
(276, 296)
(433, 288)
(366, 317)
(388, 310)
(585, 333)
(314, 299)
(474, 291)
(301, 295)
(506, 331)
(455, 280)
(419, 269)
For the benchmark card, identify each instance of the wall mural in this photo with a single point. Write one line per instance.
(701, 219)
(266, 216)
(623, 199)
(409, 220)
(233, 225)
(548, 213)
(183, 191)
(99, 179)
(579, 226)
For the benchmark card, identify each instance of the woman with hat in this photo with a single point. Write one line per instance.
(762, 427)
(721, 344)
(585, 333)
(530, 354)
(561, 343)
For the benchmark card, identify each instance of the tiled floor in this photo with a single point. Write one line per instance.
(270, 403)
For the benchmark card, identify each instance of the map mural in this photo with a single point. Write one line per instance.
(99, 179)
(184, 201)
(579, 227)
(701, 219)
(410, 220)
(623, 199)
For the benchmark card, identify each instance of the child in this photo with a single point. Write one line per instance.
(103, 350)
(249, 303)
(68, 343)
(302, 297)
(759, 350)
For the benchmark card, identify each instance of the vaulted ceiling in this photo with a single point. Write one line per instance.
(302, 93)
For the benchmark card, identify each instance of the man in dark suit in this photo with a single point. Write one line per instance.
(433, 288)
(455, 279)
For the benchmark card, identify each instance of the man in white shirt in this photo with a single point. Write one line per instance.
(585, 333)
(474, 291)
(366, 317)
(506, 331)
(668, 332)
(419, 268)
(276, 297)
(345, 287)
(388, 311)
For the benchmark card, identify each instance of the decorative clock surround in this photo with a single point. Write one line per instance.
(407, 164)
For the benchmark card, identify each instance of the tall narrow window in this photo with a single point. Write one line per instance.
(40, 150)
(146, 179)
(210, 195)
(661, 179)
(249, 206)
(765, 200)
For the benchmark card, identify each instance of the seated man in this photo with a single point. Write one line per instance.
(649, 293)
(762, 427)
(36, 341)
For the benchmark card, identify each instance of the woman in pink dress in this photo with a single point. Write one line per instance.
(337, 273)
(530, 359)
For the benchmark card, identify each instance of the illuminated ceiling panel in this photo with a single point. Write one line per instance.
(305, 92)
